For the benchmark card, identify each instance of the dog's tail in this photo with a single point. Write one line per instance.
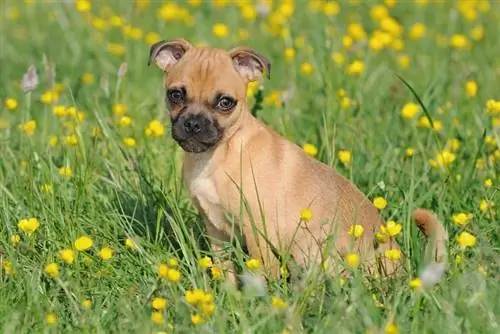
(435, 233)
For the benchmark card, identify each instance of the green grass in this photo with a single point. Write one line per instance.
(118, 192)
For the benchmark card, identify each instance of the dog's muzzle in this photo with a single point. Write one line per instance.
(195, 132)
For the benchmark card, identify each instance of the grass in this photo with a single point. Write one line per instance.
(130, 198)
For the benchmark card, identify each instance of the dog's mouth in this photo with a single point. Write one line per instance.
(196, 142)
(192, 145)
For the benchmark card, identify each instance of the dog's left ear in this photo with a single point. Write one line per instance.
(167, 53)
(249, 63)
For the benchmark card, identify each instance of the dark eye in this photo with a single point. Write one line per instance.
(226, 103)
(175, 96)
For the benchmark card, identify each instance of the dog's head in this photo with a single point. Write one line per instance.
(205, 89)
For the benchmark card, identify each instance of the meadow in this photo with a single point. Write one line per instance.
(97, 232)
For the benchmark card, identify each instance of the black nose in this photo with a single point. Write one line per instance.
(192, 125)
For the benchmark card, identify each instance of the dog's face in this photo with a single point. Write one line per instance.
(205, 89)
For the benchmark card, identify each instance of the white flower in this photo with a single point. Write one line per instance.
(30, 79)
(253, 284)
(432, 274)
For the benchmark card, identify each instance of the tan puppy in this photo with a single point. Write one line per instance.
(250, 183)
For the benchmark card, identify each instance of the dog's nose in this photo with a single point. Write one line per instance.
(192, 125)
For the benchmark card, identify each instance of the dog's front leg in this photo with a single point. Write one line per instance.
(221, 257)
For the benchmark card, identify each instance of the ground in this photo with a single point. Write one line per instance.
(97, 233)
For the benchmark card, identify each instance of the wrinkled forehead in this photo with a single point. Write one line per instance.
(205, 71)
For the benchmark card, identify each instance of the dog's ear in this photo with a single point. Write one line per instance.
(167, 53)
(249, 63)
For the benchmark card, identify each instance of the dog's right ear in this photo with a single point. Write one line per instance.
(167, 53)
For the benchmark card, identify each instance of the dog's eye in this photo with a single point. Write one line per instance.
(175, 96)
(226, 103)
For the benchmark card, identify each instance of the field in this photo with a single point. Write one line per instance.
(98, 234)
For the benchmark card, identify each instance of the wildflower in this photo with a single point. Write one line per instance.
(155, 129)
(106, 253)
(220, 30)
(131, 244)
(379, 202)
(331, 8)
(477, 33)
(391, 328)
(51, 319)
(356, 31)
(159, 303)
(216, 273)
(306, 69)
(83, 6)
(338, 58)
(415, 283)
(459, 41)
(172, 262)
(30, 79)
(356, 68)
(352, 260)
(125, 121)
(404, 61)
(66, 171)
(462, 218)
(482, 270)
(116, 49)
(248, 12)
(10, 103)
(391, 228)
(52, 270)
(129, 142)
(119, 109)
(71, 140)
(379, 12)
(381, 237)
(345, 157)
(67, 255)
(453, 144)
(393, 254)
(15, 239)
(485, 205)
(28, 225)
(196, 319)
(493, 107)
(356, 230)
(49, 97)
(465, 239)
(163, 270)
(471, 88)
(157, 318)
(253, 264)
(7, 267)
(278, 303)
(83, 243)
(174, 275)
(310, 149)
(305, 215)
(88, 78)
(151, 38)
(409, 110)
(410, 151)
(417, 31)
(207, 308)
(205, 262)
(425, 122)
(443, 159)
(29, 127)
(289, 54)
(53, 140)
(86, 304)
(195, 296)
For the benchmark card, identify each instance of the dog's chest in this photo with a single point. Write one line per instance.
(204, 193)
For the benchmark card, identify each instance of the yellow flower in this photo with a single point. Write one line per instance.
(453, 144)
(86, 304)
(157, 318)
(310, 149)
(379, 12)
(106, 253)
(425, 122)
(471, 88)
(71, 140)
(417, 31)
(391, 328)
(172, 262)
(207, 308)
(465, 239)
(88, 78)
(306, 215)
(83, 6)
(404, 61)
(410, 151)
(444, 158)
(174, 275)
(125, 121)
(493, 107)
(410, 110)
(205, 262)
(129, 142)
(159, 303)
(67, 255)
(462, 218)
(7, 267)
(391, 228)
(415, 283)
(59, 111)
(163, 270)
(119, 109)
(381, 237)
(356, 31)
(155, 129)
(338, 58)
(331, 8)
(28, 225)
(29, 127)
(130, 244)
(306, 69)
(116, 49)
(352, 260)
(289, 54)
(15, 239)
(485, 205)
(220, 30)
(151, 38)
(83, 243)
(482, 270)
(66, 171)
(459, 41)
(357, 67)
(393, 254)
(195, 296)
(10, 104)
(379, 202)
(216, 273)
(196, 319)
(278, 303)
(345, 157)
(248, 12)
(356, 231)
(488, 183)
(51, 319)
(477, 33)
(53, 141)
(253, 264)
(52, 270)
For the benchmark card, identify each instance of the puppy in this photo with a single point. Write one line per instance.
(249, 183)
